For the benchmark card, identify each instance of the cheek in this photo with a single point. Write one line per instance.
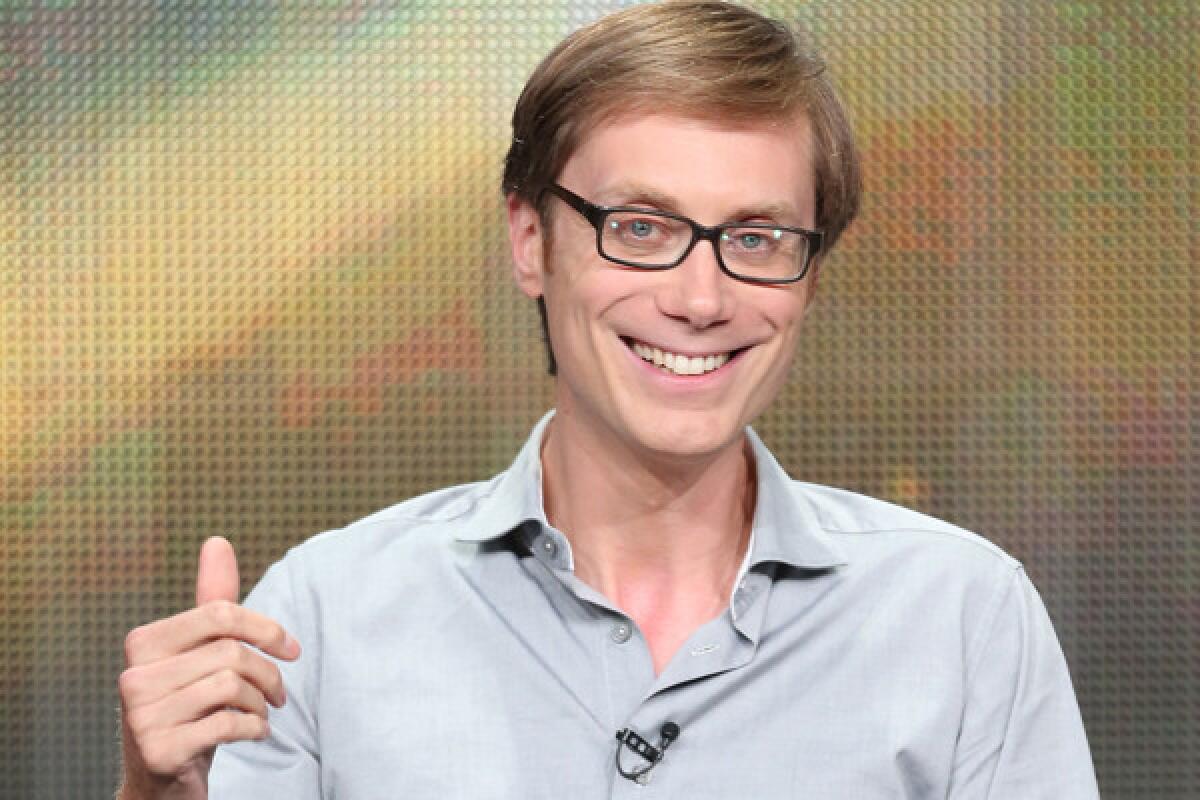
(786, 308)
(585, 287)
(785, 314)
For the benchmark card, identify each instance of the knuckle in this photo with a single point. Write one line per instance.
(274, 677)
(135, 643)
(256, 705)
(278, 636)
(232, 653)
(245, 658)
(138, 721)
(226, 725)
(129, 684)
(154, 755)
(222, 614)
(260, 727)
(228, 683)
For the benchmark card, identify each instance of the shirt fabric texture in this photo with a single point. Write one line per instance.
(868, 651)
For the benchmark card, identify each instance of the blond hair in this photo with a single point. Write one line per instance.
(695, 58)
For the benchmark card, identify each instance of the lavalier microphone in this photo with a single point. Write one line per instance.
(628, 737)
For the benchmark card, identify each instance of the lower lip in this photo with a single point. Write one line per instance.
(685, 381)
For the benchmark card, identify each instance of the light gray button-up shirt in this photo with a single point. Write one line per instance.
(868, 651)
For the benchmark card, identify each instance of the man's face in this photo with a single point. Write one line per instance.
(605, 320)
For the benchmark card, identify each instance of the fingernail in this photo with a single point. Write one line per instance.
(291, 647)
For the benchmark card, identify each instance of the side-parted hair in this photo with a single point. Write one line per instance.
(701, 59)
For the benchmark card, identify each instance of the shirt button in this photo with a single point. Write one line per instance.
(621, 632)
(549, 547)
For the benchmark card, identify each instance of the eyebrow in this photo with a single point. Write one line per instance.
(623, 194)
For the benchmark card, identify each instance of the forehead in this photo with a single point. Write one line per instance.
(705, 166)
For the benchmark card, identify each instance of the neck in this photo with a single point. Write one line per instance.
(656, 535)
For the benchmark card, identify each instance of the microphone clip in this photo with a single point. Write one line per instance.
(628, 737)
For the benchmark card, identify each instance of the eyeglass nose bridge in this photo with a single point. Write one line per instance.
(712, 235)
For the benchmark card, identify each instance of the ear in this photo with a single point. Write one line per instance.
(815, 268)
(809, 285)
(525, 237)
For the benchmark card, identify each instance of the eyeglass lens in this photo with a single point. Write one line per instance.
(649, 240)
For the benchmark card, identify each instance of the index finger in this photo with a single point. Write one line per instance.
(215, 620)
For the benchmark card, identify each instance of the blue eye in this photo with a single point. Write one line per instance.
(641, 228)
(644, 238)
(754, 241)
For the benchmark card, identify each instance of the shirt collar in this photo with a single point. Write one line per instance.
(515, 496)
(785, 529)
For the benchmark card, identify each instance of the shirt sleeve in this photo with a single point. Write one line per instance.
(286, 764)
(1022, 736)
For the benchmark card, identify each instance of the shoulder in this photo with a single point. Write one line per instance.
(419, 531)
(873, 530)
(934, 580)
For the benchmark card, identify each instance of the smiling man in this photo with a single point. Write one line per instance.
(644, 603)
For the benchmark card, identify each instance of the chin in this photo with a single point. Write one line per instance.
(684, 435)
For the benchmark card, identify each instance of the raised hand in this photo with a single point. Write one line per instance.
(190, 683)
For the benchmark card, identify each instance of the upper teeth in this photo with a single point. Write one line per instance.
(680, 364)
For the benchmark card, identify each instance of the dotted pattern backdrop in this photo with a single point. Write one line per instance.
(254, 283)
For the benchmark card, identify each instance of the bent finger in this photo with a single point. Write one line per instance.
(221, 690)
(170, 752)
(149, 683)
(194, 627)
(224, 690)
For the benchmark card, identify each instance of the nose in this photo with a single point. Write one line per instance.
(697, 291)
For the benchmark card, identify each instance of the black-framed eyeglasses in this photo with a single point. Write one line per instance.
(748, 251)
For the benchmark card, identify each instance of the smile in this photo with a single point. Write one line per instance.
(679, 364)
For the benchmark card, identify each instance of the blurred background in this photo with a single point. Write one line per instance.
(255, 284)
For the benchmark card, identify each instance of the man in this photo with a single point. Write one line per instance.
(644, 602)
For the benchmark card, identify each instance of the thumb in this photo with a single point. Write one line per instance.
(217, 573)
